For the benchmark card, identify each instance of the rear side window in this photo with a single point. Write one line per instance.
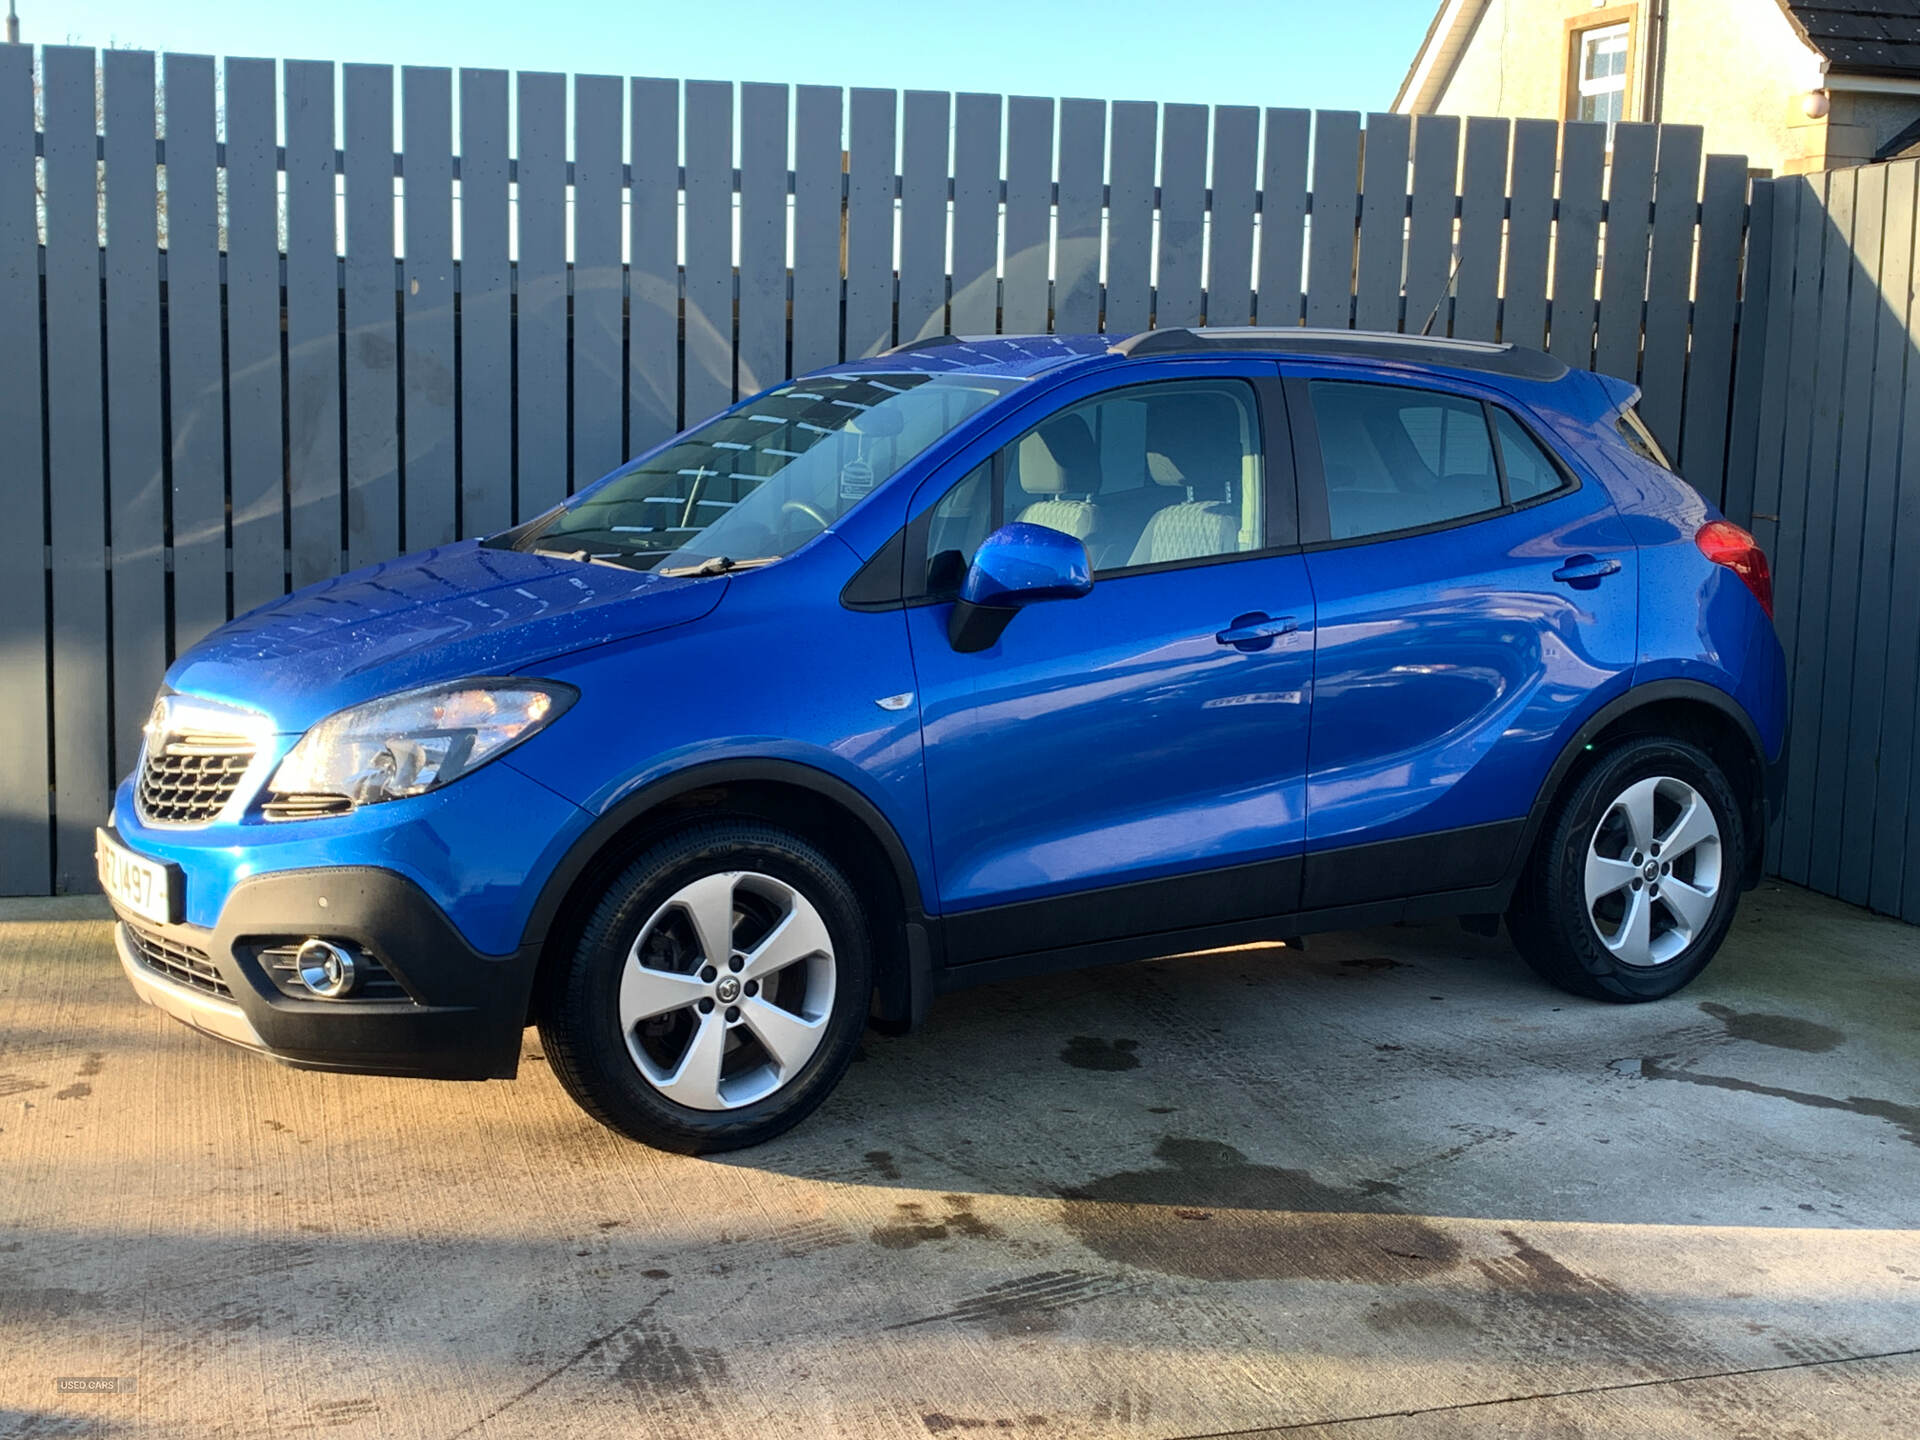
(1640, 440)
(1397, 458)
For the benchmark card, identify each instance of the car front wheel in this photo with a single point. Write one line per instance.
(1637, 873)
(716, 993)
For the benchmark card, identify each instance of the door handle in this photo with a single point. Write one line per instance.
(1256, 631)
(1583, 572)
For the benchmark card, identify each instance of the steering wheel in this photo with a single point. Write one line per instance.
(807, 510)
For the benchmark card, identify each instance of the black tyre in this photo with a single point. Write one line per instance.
(1635, 876)
(717, 991)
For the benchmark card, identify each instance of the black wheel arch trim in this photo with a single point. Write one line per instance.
(904, 1008)
(1653, 692)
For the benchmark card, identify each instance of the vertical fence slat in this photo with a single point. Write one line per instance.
(1283, 211)
(1330, 238)
(924, 140)
(1845, 514)
(709, 380)
(1023, 292)
(1483, 198)
(976, 215)
(1183, 199)
(1576, 242)
(1623, 280)
(1383, 224)
(1896, 827)
(1436, 164)
(1670, 275)
(1129, 301)
(598, 280)
(313, 325)
(1811, 567)
(1709, 368)
(81, 753)
(653, 326)
(135, 443)
(486, 315)
(1523, 294)
(373, 392)
(253, 335)
(816, 227)
(763, 236)
(25, 854)
(540, 292)
(1764, 409)
(1761, 291)
(870, 153)
(1083, 150)
(1875, 640)
(426, 97)
(195, 395)
(1236, 150)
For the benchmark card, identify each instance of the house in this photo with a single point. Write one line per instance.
(1795, 85)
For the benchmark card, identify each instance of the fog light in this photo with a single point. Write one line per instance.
(326, 969)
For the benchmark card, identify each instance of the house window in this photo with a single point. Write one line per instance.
(1601, 75)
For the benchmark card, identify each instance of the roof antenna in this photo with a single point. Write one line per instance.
(1445, 291)
(13, 24)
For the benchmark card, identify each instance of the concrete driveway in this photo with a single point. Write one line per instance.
(1387, 1186)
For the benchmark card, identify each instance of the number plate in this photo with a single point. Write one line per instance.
(132, 881)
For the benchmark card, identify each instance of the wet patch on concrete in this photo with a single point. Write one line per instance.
(1906, 1117)
(1420, 1313)
(1029, 1305)
(1087, 1052)
(1209, 1213)
(656, 1365)
(1784, 1032)
(19, 1085)
(1373, 962)
(881, 1163)
(93, 1064)
(79, 1090)
(915, 1225)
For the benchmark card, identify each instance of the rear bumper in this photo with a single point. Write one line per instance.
(454, 1013)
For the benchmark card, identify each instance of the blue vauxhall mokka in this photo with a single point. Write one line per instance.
(975, 659)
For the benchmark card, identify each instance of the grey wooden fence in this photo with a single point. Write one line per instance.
(263, 322)
(1828, 475)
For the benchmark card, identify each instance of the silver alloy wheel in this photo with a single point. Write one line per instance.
(1653, 871)
(726, 992)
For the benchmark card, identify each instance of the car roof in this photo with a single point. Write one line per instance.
(1026, 356)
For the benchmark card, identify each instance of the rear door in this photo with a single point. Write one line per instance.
(1099, 770)
(1474, 592)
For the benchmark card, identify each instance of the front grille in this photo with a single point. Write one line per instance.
(179, 963)
(376, 982)
(187, 779)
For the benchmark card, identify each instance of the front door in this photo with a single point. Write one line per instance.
(1095, 771)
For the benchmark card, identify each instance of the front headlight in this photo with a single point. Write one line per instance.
(410, 743)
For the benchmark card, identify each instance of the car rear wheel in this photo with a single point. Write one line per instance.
(1636, 876)
(717, 991)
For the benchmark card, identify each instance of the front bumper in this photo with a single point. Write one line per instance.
(453, 1013)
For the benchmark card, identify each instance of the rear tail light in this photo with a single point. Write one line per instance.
(1725, 543)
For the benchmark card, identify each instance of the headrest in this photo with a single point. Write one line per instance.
(1059, 458)
(1193, 439)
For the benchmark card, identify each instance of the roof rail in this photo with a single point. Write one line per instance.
(1500, 357)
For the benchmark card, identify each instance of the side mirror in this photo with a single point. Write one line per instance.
(1016, 565)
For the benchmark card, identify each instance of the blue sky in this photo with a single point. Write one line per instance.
(1249, 52)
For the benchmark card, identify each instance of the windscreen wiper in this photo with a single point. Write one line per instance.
(718, 565)
(586, 557)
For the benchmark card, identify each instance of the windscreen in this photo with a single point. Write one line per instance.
(761, 480)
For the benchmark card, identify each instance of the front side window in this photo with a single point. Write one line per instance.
(1396, 458)
(761, 480)
(1150, 475)
(1600, 79)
